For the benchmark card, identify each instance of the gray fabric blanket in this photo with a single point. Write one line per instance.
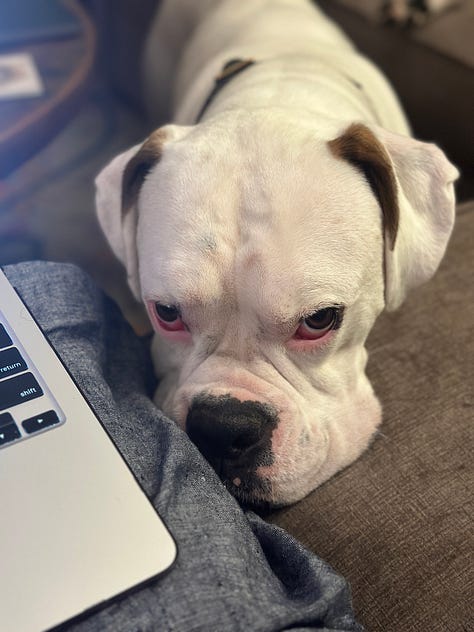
(234, 571)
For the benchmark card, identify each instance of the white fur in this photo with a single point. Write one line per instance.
(248, 220)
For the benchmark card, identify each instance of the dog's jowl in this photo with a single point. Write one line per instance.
(278, 209)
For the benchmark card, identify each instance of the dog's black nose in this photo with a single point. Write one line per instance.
(228, 430)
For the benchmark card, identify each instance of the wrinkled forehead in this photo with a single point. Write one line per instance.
(264, 210)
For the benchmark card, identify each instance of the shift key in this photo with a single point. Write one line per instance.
(19, 389)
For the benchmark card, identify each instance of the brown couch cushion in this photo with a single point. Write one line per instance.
(397, 523)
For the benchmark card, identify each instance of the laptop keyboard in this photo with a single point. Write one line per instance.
(26, 405)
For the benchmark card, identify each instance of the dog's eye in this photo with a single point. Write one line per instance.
(318, 324)
(167, 313)
(168, 317)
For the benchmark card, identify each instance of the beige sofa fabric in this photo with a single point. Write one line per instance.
(398, 523)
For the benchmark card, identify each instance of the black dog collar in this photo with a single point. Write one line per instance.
(228, 72)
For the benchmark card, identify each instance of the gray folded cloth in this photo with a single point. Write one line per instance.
(234, 571)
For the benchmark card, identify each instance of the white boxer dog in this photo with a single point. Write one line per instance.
(265, 230)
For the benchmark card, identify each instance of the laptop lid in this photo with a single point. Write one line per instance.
(76, 529)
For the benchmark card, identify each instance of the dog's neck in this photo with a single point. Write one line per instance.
(291, 85)
(229, 71)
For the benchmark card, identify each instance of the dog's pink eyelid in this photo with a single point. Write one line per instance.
(175, 325)
(305, 333)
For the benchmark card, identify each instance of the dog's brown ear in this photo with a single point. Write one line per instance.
(117, 191)
(359, 146)
(413, 182)
(139, 166)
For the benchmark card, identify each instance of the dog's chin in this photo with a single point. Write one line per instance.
(251, 491)
(255, 491)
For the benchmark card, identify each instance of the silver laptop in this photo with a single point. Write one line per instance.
(75, 527)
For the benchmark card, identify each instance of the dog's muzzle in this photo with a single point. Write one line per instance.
(234, 436)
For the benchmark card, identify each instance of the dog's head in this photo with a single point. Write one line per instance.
(264, 255)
